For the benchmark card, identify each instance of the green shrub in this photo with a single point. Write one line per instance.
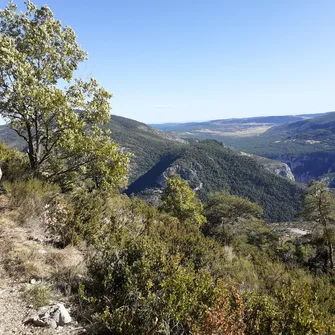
(78, 217)
(38, 295)
(30, 197)
(290, 308)
(14, 164)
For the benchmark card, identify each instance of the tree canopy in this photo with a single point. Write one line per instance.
(181, 201)
(319, 207)
(62, 127)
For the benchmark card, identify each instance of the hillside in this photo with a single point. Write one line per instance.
(208, 165)
(306, 145)
(147, 144)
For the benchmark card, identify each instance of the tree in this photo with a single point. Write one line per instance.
(223, 208)
(319, 207)
(181, 201)
(62, 127)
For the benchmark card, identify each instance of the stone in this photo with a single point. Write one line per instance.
(51, 323)
(51, 317)
(64, 317)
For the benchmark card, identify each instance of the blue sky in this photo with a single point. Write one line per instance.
(182, 60)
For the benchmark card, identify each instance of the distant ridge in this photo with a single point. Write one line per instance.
(280, 119)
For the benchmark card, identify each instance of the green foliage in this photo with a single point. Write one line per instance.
(30, 197)
(77, 217)
(62, 128)
(38, 295)
(319, 204)
(291, 308)
(140, 279)
(223, 208)
(14, 164)
(151, 273)
(319, 207)
(180, 201)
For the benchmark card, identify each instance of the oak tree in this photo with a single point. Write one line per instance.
(181, 201)
(62, 127)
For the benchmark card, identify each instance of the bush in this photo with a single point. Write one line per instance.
(38, 295)
(14, 164)
(290, 308)
(226, 316)
(30, 197)
(77, 217)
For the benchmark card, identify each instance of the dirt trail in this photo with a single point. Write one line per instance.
(13, 310)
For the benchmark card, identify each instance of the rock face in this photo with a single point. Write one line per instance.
(310, 166)
(281, 169)
(273, 166)
(51, 317)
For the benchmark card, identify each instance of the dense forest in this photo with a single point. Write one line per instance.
(189, 265)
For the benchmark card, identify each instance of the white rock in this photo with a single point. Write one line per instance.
(64, 316)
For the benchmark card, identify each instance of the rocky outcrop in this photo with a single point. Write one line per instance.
(309, 166)
(281, 169)
(273, 166)
(189, 173)
(51, 317)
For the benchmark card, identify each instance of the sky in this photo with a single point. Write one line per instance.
(190, 60)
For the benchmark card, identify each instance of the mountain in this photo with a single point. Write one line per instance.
(146, 143)
(306, 143)
(223, 127)
(208, 165)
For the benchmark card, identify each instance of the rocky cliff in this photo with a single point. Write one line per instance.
(307, 167)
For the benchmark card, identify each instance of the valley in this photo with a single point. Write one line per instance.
(306, 143)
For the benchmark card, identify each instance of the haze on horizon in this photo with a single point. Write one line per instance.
(177, 61)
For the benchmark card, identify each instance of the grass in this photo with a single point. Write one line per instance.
(38, 295)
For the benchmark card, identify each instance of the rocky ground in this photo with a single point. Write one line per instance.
(13, 311)
(25, 245)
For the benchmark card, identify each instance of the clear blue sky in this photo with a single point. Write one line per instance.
(181, 60)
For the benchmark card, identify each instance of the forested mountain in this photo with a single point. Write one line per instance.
(306, 143)
(208, 165)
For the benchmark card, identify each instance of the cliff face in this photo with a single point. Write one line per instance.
(274, 166)
(281, 169)
(309, 166)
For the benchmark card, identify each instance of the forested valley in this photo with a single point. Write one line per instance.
(235, 249)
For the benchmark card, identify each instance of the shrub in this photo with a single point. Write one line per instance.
(226, 316)
(38, 295)
(14, 164)
(30, 197)
(290, 308)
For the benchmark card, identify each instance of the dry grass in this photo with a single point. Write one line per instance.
(26, 254)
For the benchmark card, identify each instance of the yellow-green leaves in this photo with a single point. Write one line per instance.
(181, 201)
(62, 127)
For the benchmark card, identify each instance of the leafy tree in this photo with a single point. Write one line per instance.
(223, 208)
(61, 127)
(319, 206)
(181, 201)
